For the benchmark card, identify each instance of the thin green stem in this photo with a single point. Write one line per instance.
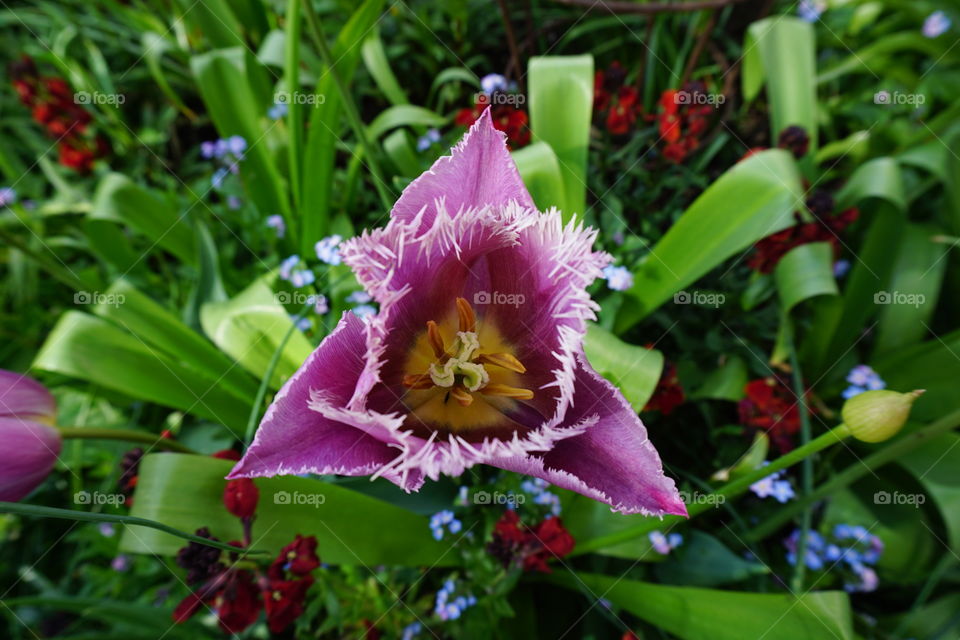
(127, 435)
(807, 469)
(35, 511)
(294, 107)
(729, 490)
(268, 375)
(855, 471)
(353, 115)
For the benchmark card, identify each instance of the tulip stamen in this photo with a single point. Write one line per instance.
(506, 391)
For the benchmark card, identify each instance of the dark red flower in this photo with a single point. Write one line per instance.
(240, 497)
(80, 160)
(238, 604)
(824, 228)
(795, 140)
(623, 112)
(227, 454)
(201, 561)
(299, 558)
(669, 394)
(514, 544)
(770, 406)
(507, 118)
(284, 602)
(675, 152)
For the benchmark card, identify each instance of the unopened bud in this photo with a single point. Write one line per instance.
(875, 416)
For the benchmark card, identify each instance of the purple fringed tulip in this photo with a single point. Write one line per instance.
(28, 449)
(476, 355)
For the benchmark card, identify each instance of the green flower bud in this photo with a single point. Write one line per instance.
(875, 416)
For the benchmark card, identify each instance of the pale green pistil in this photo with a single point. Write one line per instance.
(459, 368)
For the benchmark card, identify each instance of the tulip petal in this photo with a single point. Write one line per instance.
(25, 397)
(293, 439)
(478, 173)
(30, 450)
(612, 460)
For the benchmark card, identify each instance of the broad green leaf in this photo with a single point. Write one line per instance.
(932, 365)
(208, 286)
(704, 561)
(375, 59)
(561, 106)
(918, 272)
(403, 115)
(324, 125)
(540, 171)
(934, 464)
(692, 613)
(866, 58)
(235, 90)
(753, 199)
(805, 272)
(876, 188)
(119, 200)
(78, 343)
(186, 492)
(159, 328)
(781, 51)
(634, 369)
(214, 20)
(250, 328)
(134, 620)
(725, 383)
(399, 149)
(586, 519)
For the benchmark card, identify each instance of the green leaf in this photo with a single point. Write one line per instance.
(781, 51)
(750, 201)
(704, 561)
(186, 492)
(935, 464)
(877, 189)
(707, 614)
(324, 126)
(76, 347)
(215, 20)
(157, 327)
(121, 201)
(561, 106)
(635, 370)
(918, 271)
(375, 59)
(587, 519)
(540, 170)
(805, 272)
(250, 327)
(932, 365)
(725, 383)
(403, 115)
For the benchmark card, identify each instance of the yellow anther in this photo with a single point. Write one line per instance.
(436, 340)
(504, 360)
(497, 389)
(468, 320)
(414, 381)
(462, 396)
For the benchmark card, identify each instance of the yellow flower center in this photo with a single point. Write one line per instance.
(469, 385)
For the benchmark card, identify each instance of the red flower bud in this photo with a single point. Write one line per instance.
(241, 497)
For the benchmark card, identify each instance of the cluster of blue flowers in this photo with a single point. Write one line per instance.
(276, 223)
(537, 488)
(293, 275)
(936, 24)
(618, 278)
(427, 140)
(851, 549)
(7, 196)
(451, 609)
(664, 543)
(328, 250)
(441, 519)
(228, 151)
(811, 10)
(411, 631)
(862, 378)
(773, 486)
